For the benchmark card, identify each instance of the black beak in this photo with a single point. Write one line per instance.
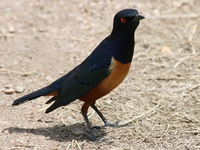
(138, 17)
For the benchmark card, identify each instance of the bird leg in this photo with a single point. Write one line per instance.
(84, 111)
(106, 122)
(92, 137)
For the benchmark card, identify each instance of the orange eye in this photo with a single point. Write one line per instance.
(123, 20)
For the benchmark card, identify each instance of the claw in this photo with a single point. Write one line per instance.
(95, 139)
(108, 124)
(92, 138)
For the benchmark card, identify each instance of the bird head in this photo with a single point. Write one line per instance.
(126, 21)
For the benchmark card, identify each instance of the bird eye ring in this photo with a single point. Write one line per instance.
(123, 20)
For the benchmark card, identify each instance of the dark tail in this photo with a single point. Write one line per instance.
(54, 106)
(33, 95)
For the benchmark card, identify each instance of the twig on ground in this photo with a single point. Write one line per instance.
(17, 72)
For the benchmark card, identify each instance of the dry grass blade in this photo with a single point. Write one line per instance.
(194, 87)
(147, 112)
(77, 145)
(17, 72)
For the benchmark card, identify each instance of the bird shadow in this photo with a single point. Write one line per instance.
(61, 133)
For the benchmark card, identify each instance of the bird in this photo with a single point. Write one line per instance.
(102, 71)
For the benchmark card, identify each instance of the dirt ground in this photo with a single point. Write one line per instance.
(41, 40)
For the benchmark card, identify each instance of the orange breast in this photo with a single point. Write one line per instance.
(117, 75)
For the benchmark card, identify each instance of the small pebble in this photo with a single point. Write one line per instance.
(11, 29)
(42, 30)
(19, 89)
(9, 91)
(6, 131)
(8, 86)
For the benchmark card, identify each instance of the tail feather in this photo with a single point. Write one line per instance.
(52, 107)
(51, 100)
(33, 95)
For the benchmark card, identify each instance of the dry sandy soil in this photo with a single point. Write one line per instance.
(41, 40)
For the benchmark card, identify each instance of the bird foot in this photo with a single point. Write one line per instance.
(92, 138)
(95, 139)
(108, 124)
